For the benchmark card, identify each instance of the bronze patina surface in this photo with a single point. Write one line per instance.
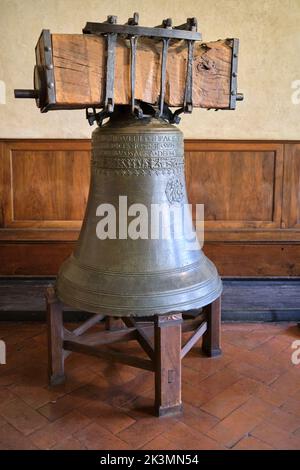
(142, 159)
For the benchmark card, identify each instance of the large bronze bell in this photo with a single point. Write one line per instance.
(143, 160)
(137, 254)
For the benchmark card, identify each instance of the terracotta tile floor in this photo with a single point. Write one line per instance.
(247, 399)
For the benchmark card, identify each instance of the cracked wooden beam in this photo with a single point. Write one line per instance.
(79, 66)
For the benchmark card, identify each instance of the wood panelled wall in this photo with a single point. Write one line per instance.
(251, 193)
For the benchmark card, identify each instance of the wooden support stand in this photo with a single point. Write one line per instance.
(159, 336)
(168, 364)
(55, 339)
(212, 336)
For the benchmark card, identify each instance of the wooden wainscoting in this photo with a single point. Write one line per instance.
(45, 184)
(239, 184)
(250, 190)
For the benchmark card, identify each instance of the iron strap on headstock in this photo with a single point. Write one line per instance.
(219, 92)
(131, 30)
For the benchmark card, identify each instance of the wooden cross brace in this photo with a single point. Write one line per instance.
(159, 336)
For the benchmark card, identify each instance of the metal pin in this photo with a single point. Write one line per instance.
(188, 95)
(133, 45)
(112, 19)
(134, 21)
(110, 71)
(165, 42)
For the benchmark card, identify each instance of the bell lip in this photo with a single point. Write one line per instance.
(185, 296)
(143, 312)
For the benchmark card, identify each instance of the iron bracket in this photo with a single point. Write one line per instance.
(110, 66)
(234, 95)
(95, 116)
(134, 21)
(165, 112)
(165, 46)
(188, 95)
(132, 31)
(135, 30)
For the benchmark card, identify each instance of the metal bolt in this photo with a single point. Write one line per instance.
(49, 66)
(234, 74)
(50, 85)
(135, 20)
(167, 23)
(112, 19)
(47, 48)
(193, 23)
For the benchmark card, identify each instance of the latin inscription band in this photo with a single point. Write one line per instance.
(138, 153)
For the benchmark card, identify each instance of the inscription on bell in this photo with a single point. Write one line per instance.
(139, 145)
(129, 138)
(139, 154)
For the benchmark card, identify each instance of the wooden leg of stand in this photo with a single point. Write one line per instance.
(211, 345)
(55, 338)
(113, 323)
(168, 364)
